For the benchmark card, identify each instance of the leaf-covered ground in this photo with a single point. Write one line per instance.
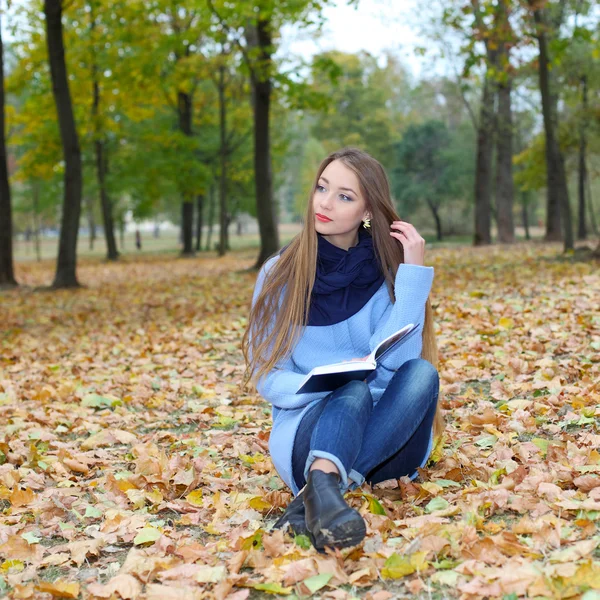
(131, 466)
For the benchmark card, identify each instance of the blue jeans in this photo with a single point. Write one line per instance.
(367, 442)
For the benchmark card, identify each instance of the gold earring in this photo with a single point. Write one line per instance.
(367, 223)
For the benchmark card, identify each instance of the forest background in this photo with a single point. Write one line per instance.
(200, 115)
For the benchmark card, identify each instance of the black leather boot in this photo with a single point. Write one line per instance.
(293, 517)
(330, 521)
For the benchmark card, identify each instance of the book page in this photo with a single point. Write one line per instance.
(400, 336)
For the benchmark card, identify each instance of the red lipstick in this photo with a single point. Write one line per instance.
(322, 218)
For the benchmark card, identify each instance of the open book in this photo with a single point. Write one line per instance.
(330, 377)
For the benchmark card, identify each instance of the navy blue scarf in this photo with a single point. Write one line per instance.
(345, 281)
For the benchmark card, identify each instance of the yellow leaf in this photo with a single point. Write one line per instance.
(433, 488)
(125, 485)
(59, 589)
(16, 566)
(154, 497)
(506, 323)
(397, 566)
(594, 458)
(195, 498)
(438, 449)
(272, 588)
(247, 458)
(260, 504)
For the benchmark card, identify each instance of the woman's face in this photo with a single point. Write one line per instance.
(338, 205)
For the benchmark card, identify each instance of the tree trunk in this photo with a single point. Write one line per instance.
(505, 191)
(590, 206)
(100, 151)
(7, 274)
(259, 38)
(67, 248)
(559, 209)
(184, 111)
(582, 174)
(483, 170)
(211, 216)
(223, 214)
(122, 234)
(199, 220)
(105, 202)
(436, 216)
(187, 222)
(525, 214)
(89, 206)
(36, 219)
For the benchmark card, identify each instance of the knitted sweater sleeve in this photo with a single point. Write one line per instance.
(279, 385)
(412, 287)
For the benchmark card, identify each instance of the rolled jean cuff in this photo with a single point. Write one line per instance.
(357, 479)
(314, 454)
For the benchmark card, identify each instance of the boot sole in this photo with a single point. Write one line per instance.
(340, 535)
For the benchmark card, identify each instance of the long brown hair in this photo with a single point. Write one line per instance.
(280, 311)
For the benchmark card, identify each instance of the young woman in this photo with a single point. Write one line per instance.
(352, 277)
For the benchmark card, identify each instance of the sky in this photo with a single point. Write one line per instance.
(375, 26)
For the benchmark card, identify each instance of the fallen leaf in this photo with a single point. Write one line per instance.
(59, 589)
(126, 586)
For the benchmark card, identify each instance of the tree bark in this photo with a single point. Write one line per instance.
(187, 223)
(558, 207)
(211, 216)
(67, 247)
(105, 202)
(101, 170)
(36, 220)
(438, 222)
(582, 174)
(223, 213)
(199, 220)
(89, 205)
(101, 162)
(122, 234)
(483, 169)
(259, 39)
(525, 214)
(505, 191)
(590, 205)
(184, 110)
(7, 274)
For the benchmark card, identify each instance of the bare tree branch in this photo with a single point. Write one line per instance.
(235, 38)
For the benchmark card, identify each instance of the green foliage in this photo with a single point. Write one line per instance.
(432, 165)
(357, 113)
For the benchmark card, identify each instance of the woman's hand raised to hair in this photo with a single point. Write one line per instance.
(412, 242)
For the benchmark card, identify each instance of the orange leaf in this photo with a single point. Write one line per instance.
(21, 497)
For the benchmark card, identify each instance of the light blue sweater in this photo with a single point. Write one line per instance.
(354, 337)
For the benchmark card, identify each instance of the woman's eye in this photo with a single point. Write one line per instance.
(320, 188)
(345, 198)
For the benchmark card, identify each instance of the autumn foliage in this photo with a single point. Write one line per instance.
(133, 467)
